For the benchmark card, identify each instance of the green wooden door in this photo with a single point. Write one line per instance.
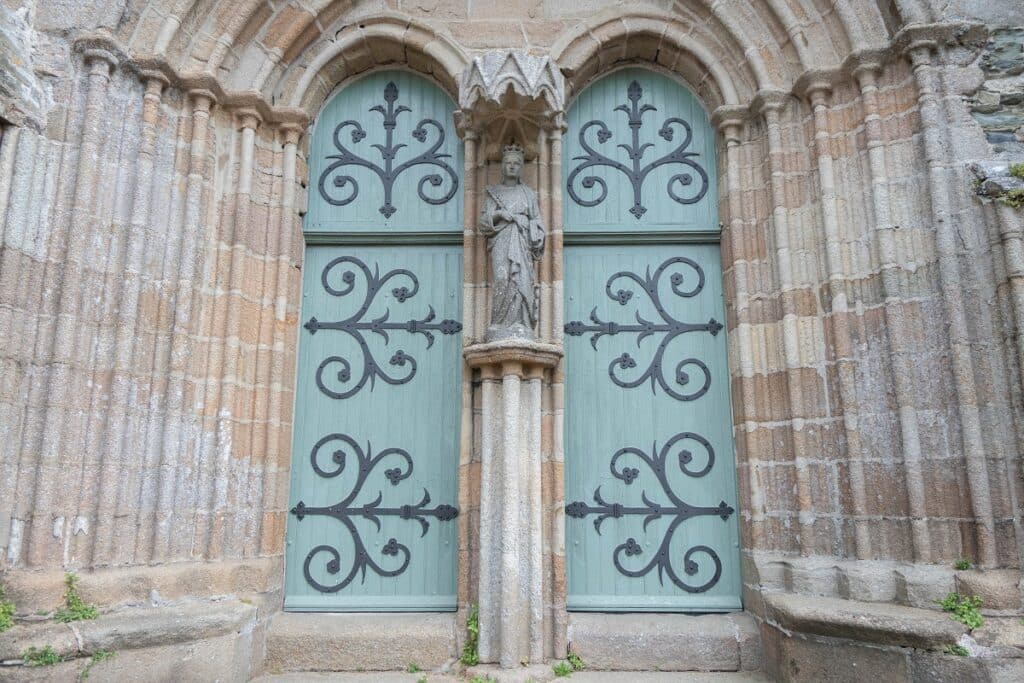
(378, 382)
(651, 520)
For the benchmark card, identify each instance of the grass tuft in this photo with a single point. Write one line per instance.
(6, 611)
(964, 608)
(41, 656)
(470, 654)
(562, 669)
(74, 609)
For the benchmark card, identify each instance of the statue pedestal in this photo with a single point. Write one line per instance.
(511, 588)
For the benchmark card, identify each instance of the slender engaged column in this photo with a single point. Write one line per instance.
(511, 581)
(901, 356)
(731, 129)
(68, 344)
(933, 124)
(845, 363)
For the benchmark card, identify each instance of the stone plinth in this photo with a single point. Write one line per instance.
(511, 586)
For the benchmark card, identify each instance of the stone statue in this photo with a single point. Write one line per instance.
(515, 239)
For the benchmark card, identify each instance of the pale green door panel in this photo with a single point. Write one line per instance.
(647, 427)
(651, 519)
(372, 523)
(385, 158)
(639, 156)
(376, 430)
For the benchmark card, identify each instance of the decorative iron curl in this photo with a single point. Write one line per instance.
(346, 510)
(355, 327)
(672, 327)
(634, 171)
(389, 173)
(680, 511)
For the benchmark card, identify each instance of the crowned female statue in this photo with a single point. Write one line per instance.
(515, 239)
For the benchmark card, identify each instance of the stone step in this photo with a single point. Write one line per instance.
(578, 677)
(300, 642)
(188, 641)
(666, 642)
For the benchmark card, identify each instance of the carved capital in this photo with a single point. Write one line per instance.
(524, 357)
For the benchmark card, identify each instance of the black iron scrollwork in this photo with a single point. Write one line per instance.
(678, 510)
(388, 151)
(347, 510)
(355, 326)
(644, 328)
(635, 172)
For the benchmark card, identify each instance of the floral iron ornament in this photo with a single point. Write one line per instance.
(635, 171)
(347, 510)
(678, 510)
(356, 327)
(388, 151)
(670, 326)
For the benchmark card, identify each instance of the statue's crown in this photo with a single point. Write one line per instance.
(513, 148)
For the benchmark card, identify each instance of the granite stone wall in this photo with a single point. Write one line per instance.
(151, 198)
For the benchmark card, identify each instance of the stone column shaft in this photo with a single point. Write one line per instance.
(900, 357)
(510, 531)
(67, 341)
(840, 318)
(946, 242)
(511, 588)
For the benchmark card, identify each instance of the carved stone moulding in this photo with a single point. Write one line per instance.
(516, 356)
(509, 94)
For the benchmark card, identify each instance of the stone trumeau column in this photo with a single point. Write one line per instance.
(511, 98)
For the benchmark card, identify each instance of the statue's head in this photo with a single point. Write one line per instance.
(512, 157)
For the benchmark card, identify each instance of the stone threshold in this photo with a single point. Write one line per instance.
(185, 641)
(353, 642)
(536, 675)
(666, 642)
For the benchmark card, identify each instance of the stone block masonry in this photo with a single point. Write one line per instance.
(153, 179)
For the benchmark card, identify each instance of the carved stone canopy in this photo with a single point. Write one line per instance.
(509, 94)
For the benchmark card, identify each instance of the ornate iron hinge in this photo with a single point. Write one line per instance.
(388, 152)
(678, 510)
(346, 510)
(635, 171)
(670, 326)
(355, 326)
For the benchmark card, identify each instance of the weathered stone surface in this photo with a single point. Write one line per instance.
(538, 675)
(999, 589)
(880, 623)
(664, 642)
(799, 659)
(1003, 636)
(923, 585)
(225, 659)
(874, 305)
(927, 667)
(33, 591)
(132, 628)
(21, 94)
(354, 642)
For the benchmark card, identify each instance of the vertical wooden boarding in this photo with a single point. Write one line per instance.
(372, 522)
(651, 521)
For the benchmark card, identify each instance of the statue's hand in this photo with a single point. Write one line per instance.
(504, 216)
